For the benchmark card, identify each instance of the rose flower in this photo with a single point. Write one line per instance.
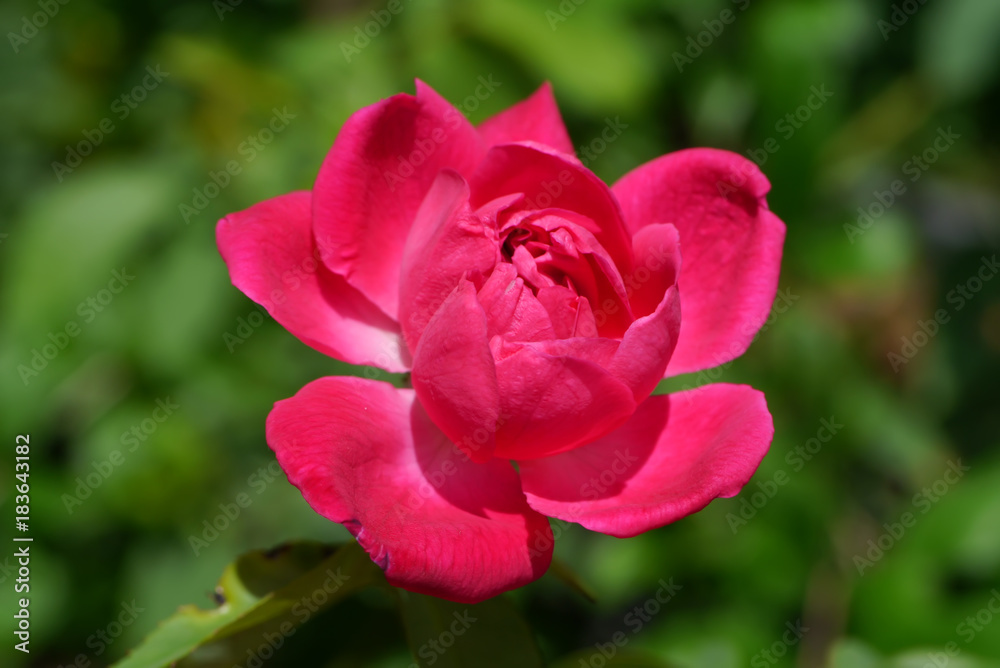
(536, 309)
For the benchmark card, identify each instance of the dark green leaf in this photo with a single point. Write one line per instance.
(259, 587)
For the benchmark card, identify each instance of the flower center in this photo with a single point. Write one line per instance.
(557, 256)
(535, 241)
(536, 254)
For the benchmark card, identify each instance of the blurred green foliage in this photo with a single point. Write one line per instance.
(679, 74)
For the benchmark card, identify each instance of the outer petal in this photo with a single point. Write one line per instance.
(446, 243)
(535, 119)
(731, 245)
(373, 180)
(551, 402)
(366, 455)
(677, 453)
(550, 179)
(271, 257)
(454, 374)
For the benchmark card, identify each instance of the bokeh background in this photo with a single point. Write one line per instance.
(913, 98)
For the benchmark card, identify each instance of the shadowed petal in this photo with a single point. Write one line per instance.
(364, 454)
(271, 257)
(677, 453)
(373, 180)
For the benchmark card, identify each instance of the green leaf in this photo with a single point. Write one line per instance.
(255, 589)
(454, 635)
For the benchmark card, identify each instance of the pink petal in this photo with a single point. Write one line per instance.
(373, 180)
(730, 242)
(575, 252)
(527, 268)
(677, 453)
(647, 346)
(454, 374)
(512, 310)
(271, 257)
(551, 402)
(447, 241)
(365, 454)
(657, 263)
(598, 350)
(535, 119)
(571, 315)
(553, 180)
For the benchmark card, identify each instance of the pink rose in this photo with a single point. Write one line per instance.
(536, 309)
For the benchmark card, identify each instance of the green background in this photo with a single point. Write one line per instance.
(855, 293)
